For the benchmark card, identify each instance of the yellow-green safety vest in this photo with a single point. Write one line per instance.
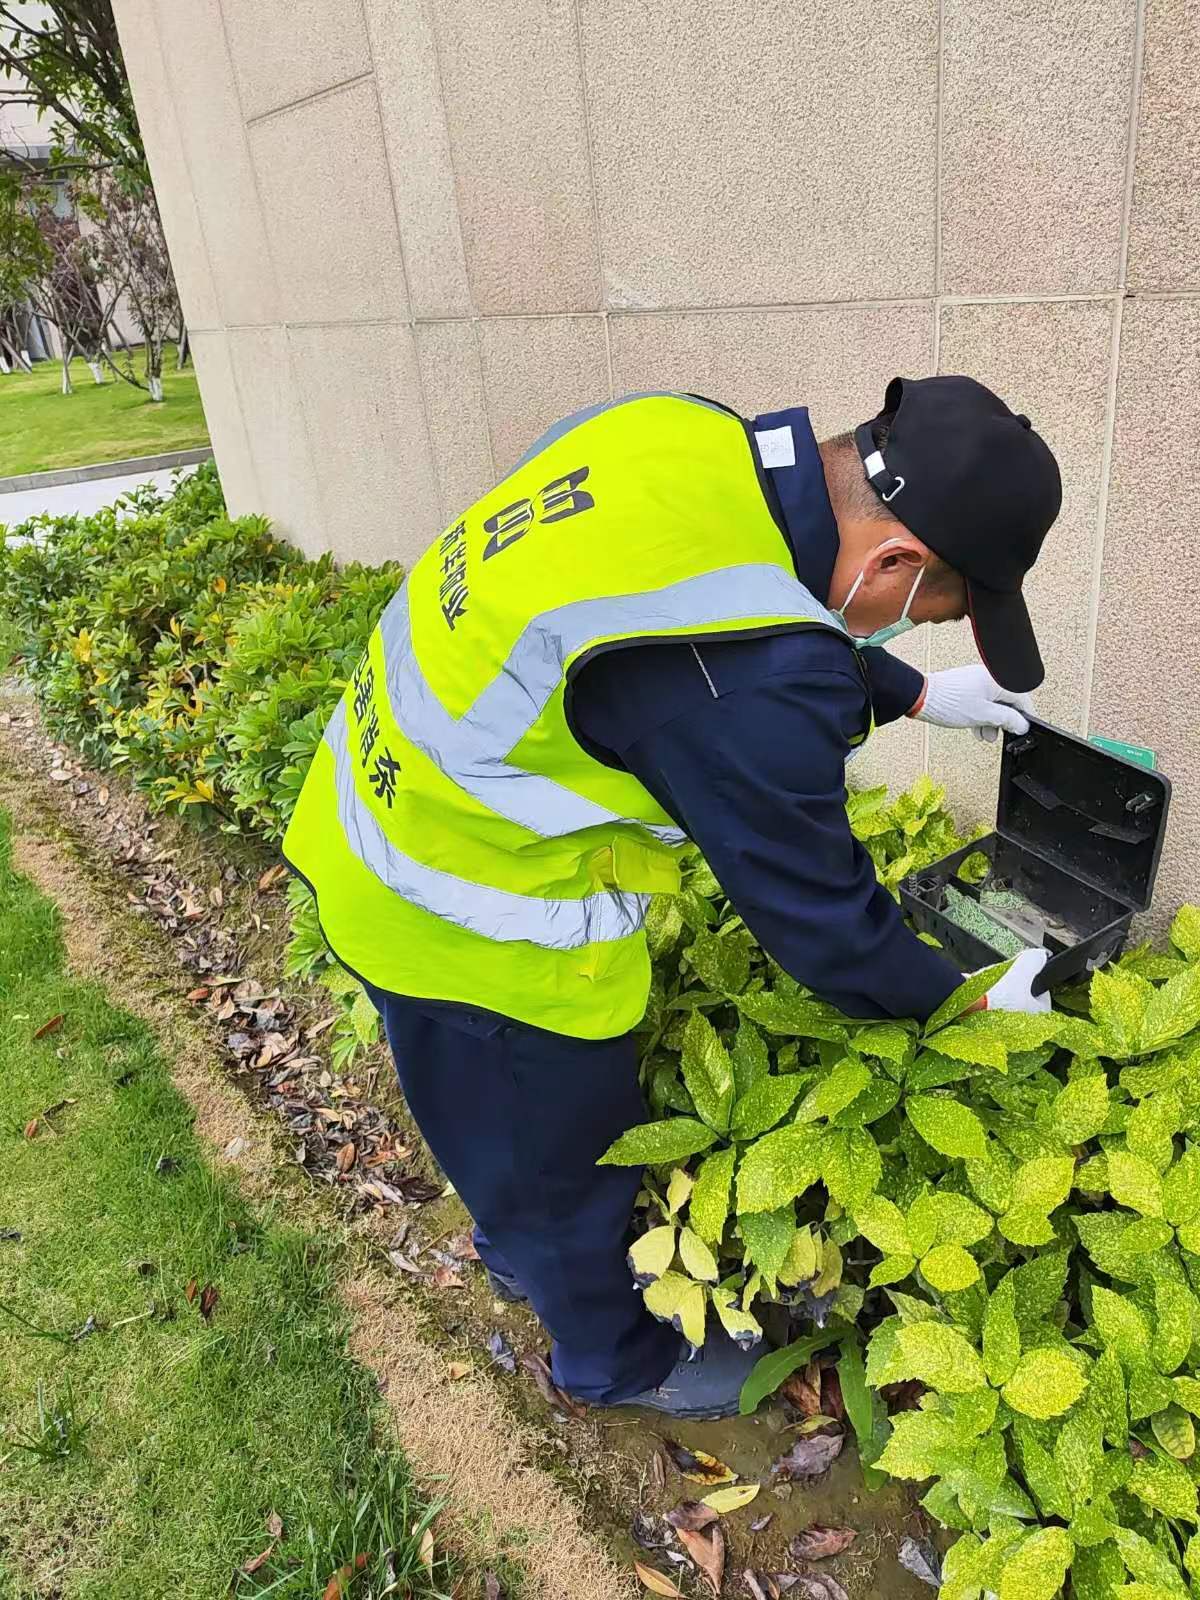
(461, 843)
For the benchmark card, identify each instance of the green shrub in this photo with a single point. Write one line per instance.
(1002, 1210)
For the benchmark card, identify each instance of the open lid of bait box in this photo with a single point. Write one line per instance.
(1078, 836)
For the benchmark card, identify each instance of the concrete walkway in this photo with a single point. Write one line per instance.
(63, 499)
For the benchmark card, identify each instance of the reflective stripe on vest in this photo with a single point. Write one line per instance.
(494, 913)
(471, 750)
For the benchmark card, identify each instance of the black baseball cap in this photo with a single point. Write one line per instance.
(976, 484)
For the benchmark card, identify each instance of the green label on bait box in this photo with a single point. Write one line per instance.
(1137, 753)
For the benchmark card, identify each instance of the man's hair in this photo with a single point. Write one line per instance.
(854, 491)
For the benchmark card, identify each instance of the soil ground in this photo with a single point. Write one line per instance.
(163, 908)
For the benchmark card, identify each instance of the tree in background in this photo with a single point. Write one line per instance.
(67, 63)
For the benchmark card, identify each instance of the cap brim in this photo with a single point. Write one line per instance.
(1005, 638)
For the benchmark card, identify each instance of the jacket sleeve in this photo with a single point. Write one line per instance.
(895, 686)
(755, 776)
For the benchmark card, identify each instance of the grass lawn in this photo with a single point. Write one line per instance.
(148, 1440)
(41, 428)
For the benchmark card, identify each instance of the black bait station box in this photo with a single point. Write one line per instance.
(1074, 856)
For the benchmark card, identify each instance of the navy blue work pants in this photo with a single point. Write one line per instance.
(516, 1118)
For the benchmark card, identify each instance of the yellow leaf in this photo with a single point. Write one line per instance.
(426, 1549)
(458, 1369)
(219, 586)
(204, 789)
(656, 1582)
(733, 1499)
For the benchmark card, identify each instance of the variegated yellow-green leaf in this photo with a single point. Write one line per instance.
(940, 1356)
(1152, 1127)
(1181, 1188)
(874, 1101)
(777, 1168)
(978, 1048)
(1187, 1393)
(1001, 1335)
(1147, 1562)
(707, 1071)
(1189, 1238)
(1174, 1323)
(844, 1084)
(990, 1178)
(1185, 932)
(1119, 1002)
(1175, 1431)
(882, 1222)
(652, 1254)
(1043, 1183)
(731, 1499)
(1037, 1566)
(1079, 1111)
(892, 1269)
(950, 1128)
(767, 1236)
(1149, 1391)
(1106, 1396)
(1173, 1011)
(655, 1143)
(1079, 1451)
(1134, 1182)
(721, 960)
(678, 1189)
(1120, 1324)
(741, 1326)
(948, 1267)
(749, 1058)
(763, 1105)
(1045, 1383)
(887, 1040)
(964, 997)
(1026, 1225)
(851, 1165)
(945, 1218)
(830, 1274)
(677, 1300)
(709, 1204)
(801, 1262)
(698, 1260)
(1165, 1485)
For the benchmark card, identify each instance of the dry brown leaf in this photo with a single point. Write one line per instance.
(209, 1296)
(189, 1294)
(754, 1588)
(54, 1024)
(339, 1584)
(259, 1560)
(692, 1515)
(803, 1390)
(195, 995)
(491, 1587)
(447, 1278)
(457, 1370)
(536, 1366)
(346, 1157)
(275, 1525)
(426, 1549)
(656, 1582)
(658, 1469)
(707, 1550)
(697, 1466)
(31, 1128)
(831, 1394)
(271, 877)
(809, 1458)
(818, 1542)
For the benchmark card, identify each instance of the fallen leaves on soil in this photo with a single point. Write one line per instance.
(275, 1525)
(923, 1561)
(209, 1296)
(818, 1542)
(501, 1352)
(761, 1524)
(819, 1586)
(691, 1515)
(343, 1578)
(733, 1498)
(536, 1366)
(457, 1370)
(52, 1026)
(707, 1550)
(491, 1587)
(809, 1458)
(31, 1128)
(697, 1466)
(656, 1582)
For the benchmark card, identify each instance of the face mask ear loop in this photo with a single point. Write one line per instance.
(912, 595)
(854, 588)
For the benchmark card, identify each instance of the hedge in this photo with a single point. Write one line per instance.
(993, 1218)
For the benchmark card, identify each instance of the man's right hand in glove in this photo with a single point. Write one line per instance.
(1014, 991)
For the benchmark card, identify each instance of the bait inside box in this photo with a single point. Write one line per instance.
(1078, 836)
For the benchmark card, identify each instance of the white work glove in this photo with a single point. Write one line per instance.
(969, 697)
(1014, 991)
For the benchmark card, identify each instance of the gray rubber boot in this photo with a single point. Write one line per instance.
(704, 1388)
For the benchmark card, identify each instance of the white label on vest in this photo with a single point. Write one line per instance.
(776, 447)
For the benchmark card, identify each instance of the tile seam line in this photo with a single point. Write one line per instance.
(326, 93)
(280, 322)
(936, 307)
(435, 480)
(589, 147)
(1114, 368)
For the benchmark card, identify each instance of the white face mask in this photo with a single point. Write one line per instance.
(893, 630)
